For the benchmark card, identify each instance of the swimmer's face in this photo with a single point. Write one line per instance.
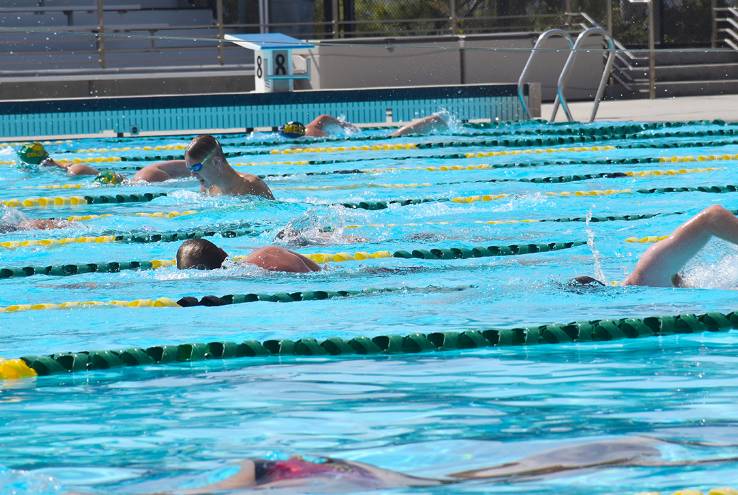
(201, 169)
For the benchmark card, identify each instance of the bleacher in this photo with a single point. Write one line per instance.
(46, 37)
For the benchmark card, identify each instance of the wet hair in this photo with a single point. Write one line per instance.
(200, 146)
(585, 280)
(200, 254)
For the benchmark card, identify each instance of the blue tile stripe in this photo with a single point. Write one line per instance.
(172, 113)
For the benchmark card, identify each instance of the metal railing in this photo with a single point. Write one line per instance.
(566, 71)
(725, 27)
(536, 47)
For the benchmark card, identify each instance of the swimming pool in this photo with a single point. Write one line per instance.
(155, 427)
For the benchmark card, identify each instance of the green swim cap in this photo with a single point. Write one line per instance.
(33, 153)
(109, 177)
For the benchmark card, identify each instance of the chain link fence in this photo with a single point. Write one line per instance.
(679, 23)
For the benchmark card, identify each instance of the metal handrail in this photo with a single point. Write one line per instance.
(521, 80)
(561, 85)
(732, 30)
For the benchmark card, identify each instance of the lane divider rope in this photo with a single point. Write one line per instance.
(647, 239)
(574, 332)
(609, 218)
(210, 301)
(545, 130)
(535, 180)
(54, 201)
(137, 238)
(381, 205)
(428, 253)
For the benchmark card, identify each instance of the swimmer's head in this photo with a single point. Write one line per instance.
(585, 280)
(292, 130)
(109, 177)
(204, 158)
(200, 254)
(33, 153)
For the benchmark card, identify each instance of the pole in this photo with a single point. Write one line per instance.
(454, 19)
(334, 21)
(609, 17)
(567, 11)
(713, 18)
(101, 33)
(263, 16)
(219, 16)
(651, 53)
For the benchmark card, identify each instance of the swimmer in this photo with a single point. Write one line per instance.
(204, 255)
(331, 475)
(13, 220)
(296, 471)
(660, 266)
(326, 125)
(36, 154)
(205, 160)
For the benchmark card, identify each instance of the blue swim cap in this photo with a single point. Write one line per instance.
(292, 130)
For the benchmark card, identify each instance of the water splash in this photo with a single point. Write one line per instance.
(596, 256)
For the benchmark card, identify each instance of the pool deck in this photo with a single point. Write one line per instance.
(723, 107)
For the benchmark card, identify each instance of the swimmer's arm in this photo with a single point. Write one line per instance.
(395, 478)
(72, 169)
(658, 266)
(319, 126)
(308, 262)
(256, 186)
(244, 478)
(161, 171)
(422, 126)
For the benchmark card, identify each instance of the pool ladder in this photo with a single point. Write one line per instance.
(566, 70)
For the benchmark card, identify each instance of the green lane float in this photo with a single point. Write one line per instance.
(427, 253)
(574, 332)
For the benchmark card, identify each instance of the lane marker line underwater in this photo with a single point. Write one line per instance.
(574, 332)
(428, 253)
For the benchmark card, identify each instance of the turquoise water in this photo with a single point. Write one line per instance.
(166, 427)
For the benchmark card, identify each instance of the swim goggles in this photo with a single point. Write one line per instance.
(196, 167)
(33, 153)
(292, 130)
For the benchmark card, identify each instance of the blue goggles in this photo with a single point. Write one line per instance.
(196, 167)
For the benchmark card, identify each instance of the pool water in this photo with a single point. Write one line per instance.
(170, 427)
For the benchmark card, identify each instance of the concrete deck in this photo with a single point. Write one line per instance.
(723, 107)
